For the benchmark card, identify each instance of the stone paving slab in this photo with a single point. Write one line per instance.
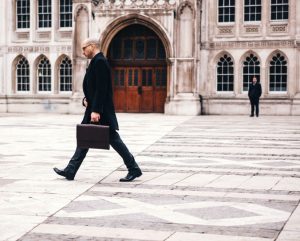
(204, 178)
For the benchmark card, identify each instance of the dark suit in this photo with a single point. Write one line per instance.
(254, 94)
(97, 88)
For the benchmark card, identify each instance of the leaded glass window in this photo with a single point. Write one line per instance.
(278, 73)
(279, 9)
(44, 13)
(225, 74)
(251, 68)
(23, 14)
(226, 11)
(22, 75)
(44, 75)
(65, 74)
(65, 13)
(252, 10)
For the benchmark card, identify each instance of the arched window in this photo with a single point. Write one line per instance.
(278, 73)
(65, 13)
(65, 75)
(279, 9)
(252, 10)
(44, 75)
(225, 75)
(44, 13)
(251, 67)
(226, 10)
(22, 75)
(23, 13)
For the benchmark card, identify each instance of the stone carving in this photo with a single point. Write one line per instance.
(279, 28)
(251, 30)
(22, 35)
(79, 9)
(133, 4)
(225, 30)
(184, 5)
(248, 44)
(39, 49)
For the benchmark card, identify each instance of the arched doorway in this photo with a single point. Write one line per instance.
(139, 70)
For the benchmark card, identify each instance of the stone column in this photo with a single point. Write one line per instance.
(80, 33)
(185, 102)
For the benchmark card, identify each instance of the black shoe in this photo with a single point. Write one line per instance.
(131, 176)
(251, 115)
(64, 173)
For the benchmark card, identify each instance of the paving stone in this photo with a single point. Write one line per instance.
(204, 178)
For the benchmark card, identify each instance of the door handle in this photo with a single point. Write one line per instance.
(140, 90)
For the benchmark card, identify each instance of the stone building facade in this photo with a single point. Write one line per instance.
(172, 56)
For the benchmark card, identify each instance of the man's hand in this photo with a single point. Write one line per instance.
(95, 117)
(85, 103)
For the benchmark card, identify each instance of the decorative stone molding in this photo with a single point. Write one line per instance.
(282, 28)
(43, 35)
(80, 8)
(184, 5)
(249, 44)
(101, 5)
(22, 36)
(38, 49)
(226, 30)
(251, 30)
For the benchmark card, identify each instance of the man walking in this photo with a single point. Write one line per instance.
(98, 100)
(254, 94)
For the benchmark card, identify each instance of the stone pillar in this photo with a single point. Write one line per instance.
(185, 102)
(80, 33)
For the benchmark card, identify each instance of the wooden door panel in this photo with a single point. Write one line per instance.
(147, 89)
(118, 77)
(132, 95)
(160, 90)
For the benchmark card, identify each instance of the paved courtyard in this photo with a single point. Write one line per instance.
(205, 178)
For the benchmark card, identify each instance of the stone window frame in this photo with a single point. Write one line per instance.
(250, 13)
(60, 14)
(49, 13)
(231, 6)
(14, 75)
(58, 74)
(282, 19)
(47, 77)
(269, 59)
(257, 74)
(218, 58)
(26, 14)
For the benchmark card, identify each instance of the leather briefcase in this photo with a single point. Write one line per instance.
(92, 136)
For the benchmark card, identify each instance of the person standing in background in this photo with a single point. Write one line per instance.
(254, 94)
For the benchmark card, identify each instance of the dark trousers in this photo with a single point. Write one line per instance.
(114, 140)
(254, 105)
(116, 143)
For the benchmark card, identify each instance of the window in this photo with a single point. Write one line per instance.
(65, 13)
(22, 75)
(279, 9)
(252, 10)
(23, 13)
(278, 73)
(251, 68)
(225, 73)
(226, 11)
(44, 13)
(65, 74)
(44, 75)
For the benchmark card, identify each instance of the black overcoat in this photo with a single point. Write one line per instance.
(254, 91)
(97, 89)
